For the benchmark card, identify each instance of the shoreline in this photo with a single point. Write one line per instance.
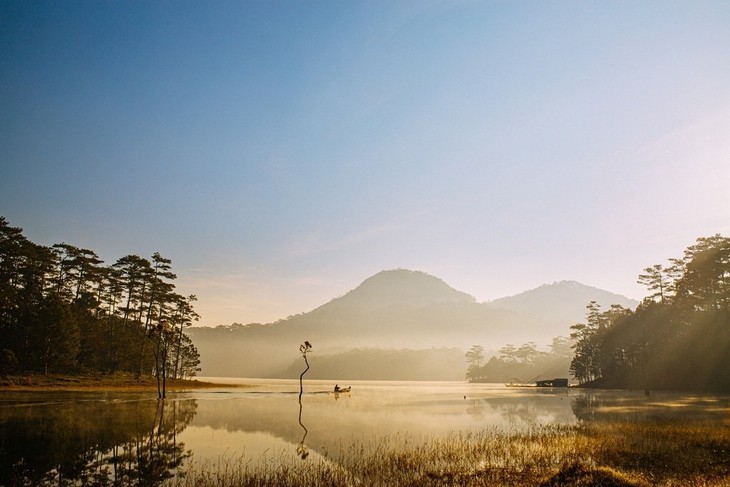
(102, 382)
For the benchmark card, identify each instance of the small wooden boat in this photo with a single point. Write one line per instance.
(342, 389)
(557, 382)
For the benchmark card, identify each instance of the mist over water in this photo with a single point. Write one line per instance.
(132, 436)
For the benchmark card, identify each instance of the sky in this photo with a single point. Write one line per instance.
(281, 152)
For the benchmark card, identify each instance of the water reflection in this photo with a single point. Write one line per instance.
(522, 407)
(62, 440)
(302, 449)
(635, 406)
(124, 439)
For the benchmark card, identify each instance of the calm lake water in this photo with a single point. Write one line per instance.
(132, 438)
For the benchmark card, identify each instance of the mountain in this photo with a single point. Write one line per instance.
(400, 287)
(560, 302)
(395, 310)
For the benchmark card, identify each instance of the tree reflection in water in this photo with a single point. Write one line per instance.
(524, 406)
(638, 406)
(98, 442)
(302, 449)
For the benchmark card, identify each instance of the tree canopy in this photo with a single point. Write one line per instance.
(677, 338)
(63, 311)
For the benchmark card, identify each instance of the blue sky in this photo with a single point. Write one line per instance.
(282, 152)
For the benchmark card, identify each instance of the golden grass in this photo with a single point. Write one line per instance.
(100, 382)
(552, 455)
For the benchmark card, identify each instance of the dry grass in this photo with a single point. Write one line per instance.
(553, 455)
(100, 382)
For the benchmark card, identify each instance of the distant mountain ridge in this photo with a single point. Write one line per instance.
(398, 309)
(549, 300)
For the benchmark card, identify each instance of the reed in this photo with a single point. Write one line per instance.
(591, 454)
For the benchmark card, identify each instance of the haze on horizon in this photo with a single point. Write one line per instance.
(282, 152)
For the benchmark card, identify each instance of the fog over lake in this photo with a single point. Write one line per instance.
(125, 435)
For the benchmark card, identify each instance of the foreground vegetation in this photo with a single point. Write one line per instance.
(625, 454)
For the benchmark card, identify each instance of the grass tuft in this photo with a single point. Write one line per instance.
(547, 455)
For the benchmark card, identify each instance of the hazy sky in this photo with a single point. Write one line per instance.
(282, 152)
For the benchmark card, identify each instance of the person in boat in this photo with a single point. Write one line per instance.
(337, 388)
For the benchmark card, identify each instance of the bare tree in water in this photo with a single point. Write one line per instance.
(304, 349)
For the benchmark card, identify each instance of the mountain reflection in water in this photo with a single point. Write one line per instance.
(127, 439)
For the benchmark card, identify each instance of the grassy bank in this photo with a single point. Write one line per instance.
(585, 455)
(101, 382)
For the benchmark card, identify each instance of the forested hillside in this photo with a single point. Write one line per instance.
(678, 338)
(63, 311)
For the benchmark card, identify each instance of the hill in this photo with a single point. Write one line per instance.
(400, 287)
(560, 302)
(394, 309)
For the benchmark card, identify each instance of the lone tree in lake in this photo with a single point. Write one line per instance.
(302, 449)
(303, 348)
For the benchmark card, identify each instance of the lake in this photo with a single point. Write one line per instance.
(132, 438)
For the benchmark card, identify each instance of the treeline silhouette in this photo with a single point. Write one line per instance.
(525, 363)
(62, 311)
(677, 338)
